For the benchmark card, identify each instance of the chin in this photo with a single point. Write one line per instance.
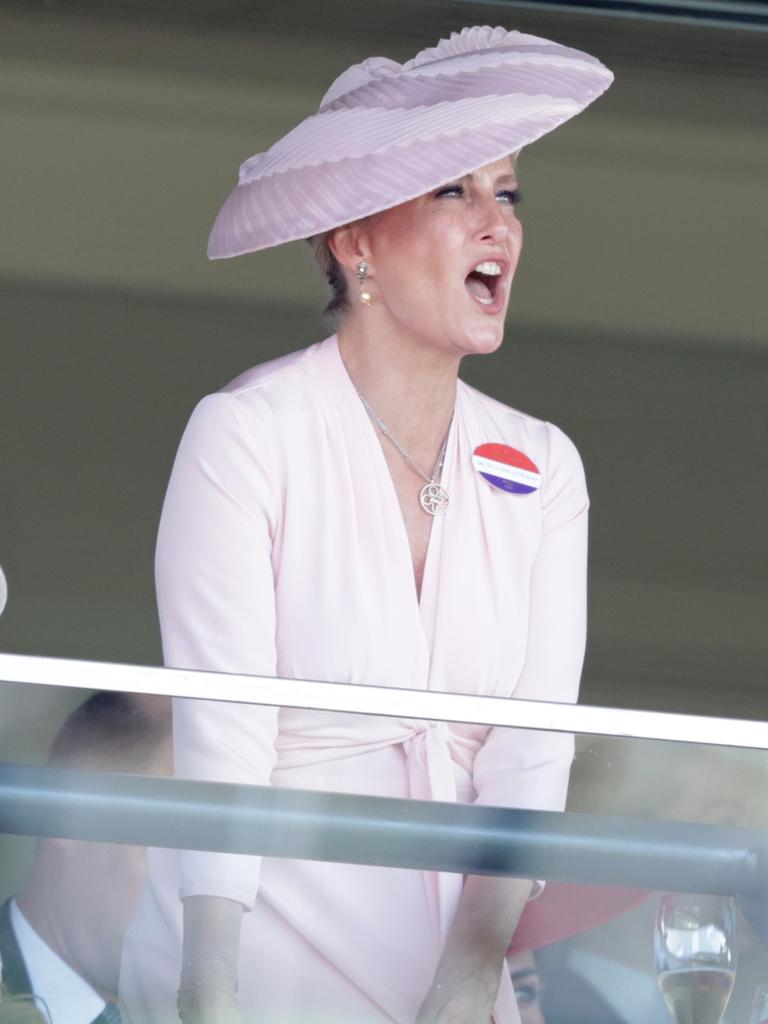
(484, 342)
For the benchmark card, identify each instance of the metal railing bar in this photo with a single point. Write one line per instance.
(468, 839)
(384, 700)
(713, 14)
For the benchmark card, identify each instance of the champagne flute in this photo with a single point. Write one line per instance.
(760, 1006)
(695, 956)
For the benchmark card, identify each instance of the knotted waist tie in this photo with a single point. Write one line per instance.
(431, 775)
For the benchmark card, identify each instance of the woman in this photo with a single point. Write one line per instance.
(353, 512)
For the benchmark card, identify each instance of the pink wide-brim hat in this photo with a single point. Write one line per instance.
(564, 909)
(388, 132)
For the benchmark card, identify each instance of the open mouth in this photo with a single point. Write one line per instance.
(483, 283)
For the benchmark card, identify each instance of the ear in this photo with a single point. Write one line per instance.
(349, 245)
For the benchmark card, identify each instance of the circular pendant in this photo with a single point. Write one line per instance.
(434, 499)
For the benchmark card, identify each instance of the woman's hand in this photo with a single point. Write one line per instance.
(469, 972)
(206, 1005)
(465, 996)
(208, 985)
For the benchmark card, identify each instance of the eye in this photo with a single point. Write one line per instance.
(450, 191)
(526, 995)
(510, 195)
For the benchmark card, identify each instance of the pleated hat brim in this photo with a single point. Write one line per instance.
(564, 909)
(386, 133)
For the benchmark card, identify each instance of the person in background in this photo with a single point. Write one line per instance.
(527, 985)
(61, 936)
(545, 987)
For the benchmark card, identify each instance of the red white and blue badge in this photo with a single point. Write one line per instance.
(506, 468)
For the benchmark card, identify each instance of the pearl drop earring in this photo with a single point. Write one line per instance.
(362, 273)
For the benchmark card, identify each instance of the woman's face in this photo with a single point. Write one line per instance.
(442, 265)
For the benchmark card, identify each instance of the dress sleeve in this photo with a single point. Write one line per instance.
(522, 767)
(215, 590)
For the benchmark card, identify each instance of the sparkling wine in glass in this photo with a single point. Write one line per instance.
(695, 956)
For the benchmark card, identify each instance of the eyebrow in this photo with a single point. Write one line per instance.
(524, 973)
(501, 180)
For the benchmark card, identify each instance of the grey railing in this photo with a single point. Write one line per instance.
(469, 839)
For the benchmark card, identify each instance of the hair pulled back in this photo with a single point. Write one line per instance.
(337, 281)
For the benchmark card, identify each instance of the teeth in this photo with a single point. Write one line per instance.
(490, 268)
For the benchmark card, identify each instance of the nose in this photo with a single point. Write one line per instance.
(494, 221)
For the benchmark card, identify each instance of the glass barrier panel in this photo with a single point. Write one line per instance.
(347, 935)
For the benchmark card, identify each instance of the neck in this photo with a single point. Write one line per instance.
(410, 386)
(39, 903)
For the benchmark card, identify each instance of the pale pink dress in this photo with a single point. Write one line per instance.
(282, 551)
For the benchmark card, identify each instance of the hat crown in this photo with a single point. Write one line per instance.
(470, 41)
(359, 75)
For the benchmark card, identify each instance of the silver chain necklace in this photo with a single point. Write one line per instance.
(432, 496)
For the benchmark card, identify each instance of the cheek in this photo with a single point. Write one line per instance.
(516, 237)
(419, 284)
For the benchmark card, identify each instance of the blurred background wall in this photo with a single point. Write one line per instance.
(638, 319)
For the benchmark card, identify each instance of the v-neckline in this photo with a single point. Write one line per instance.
(437, 526)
